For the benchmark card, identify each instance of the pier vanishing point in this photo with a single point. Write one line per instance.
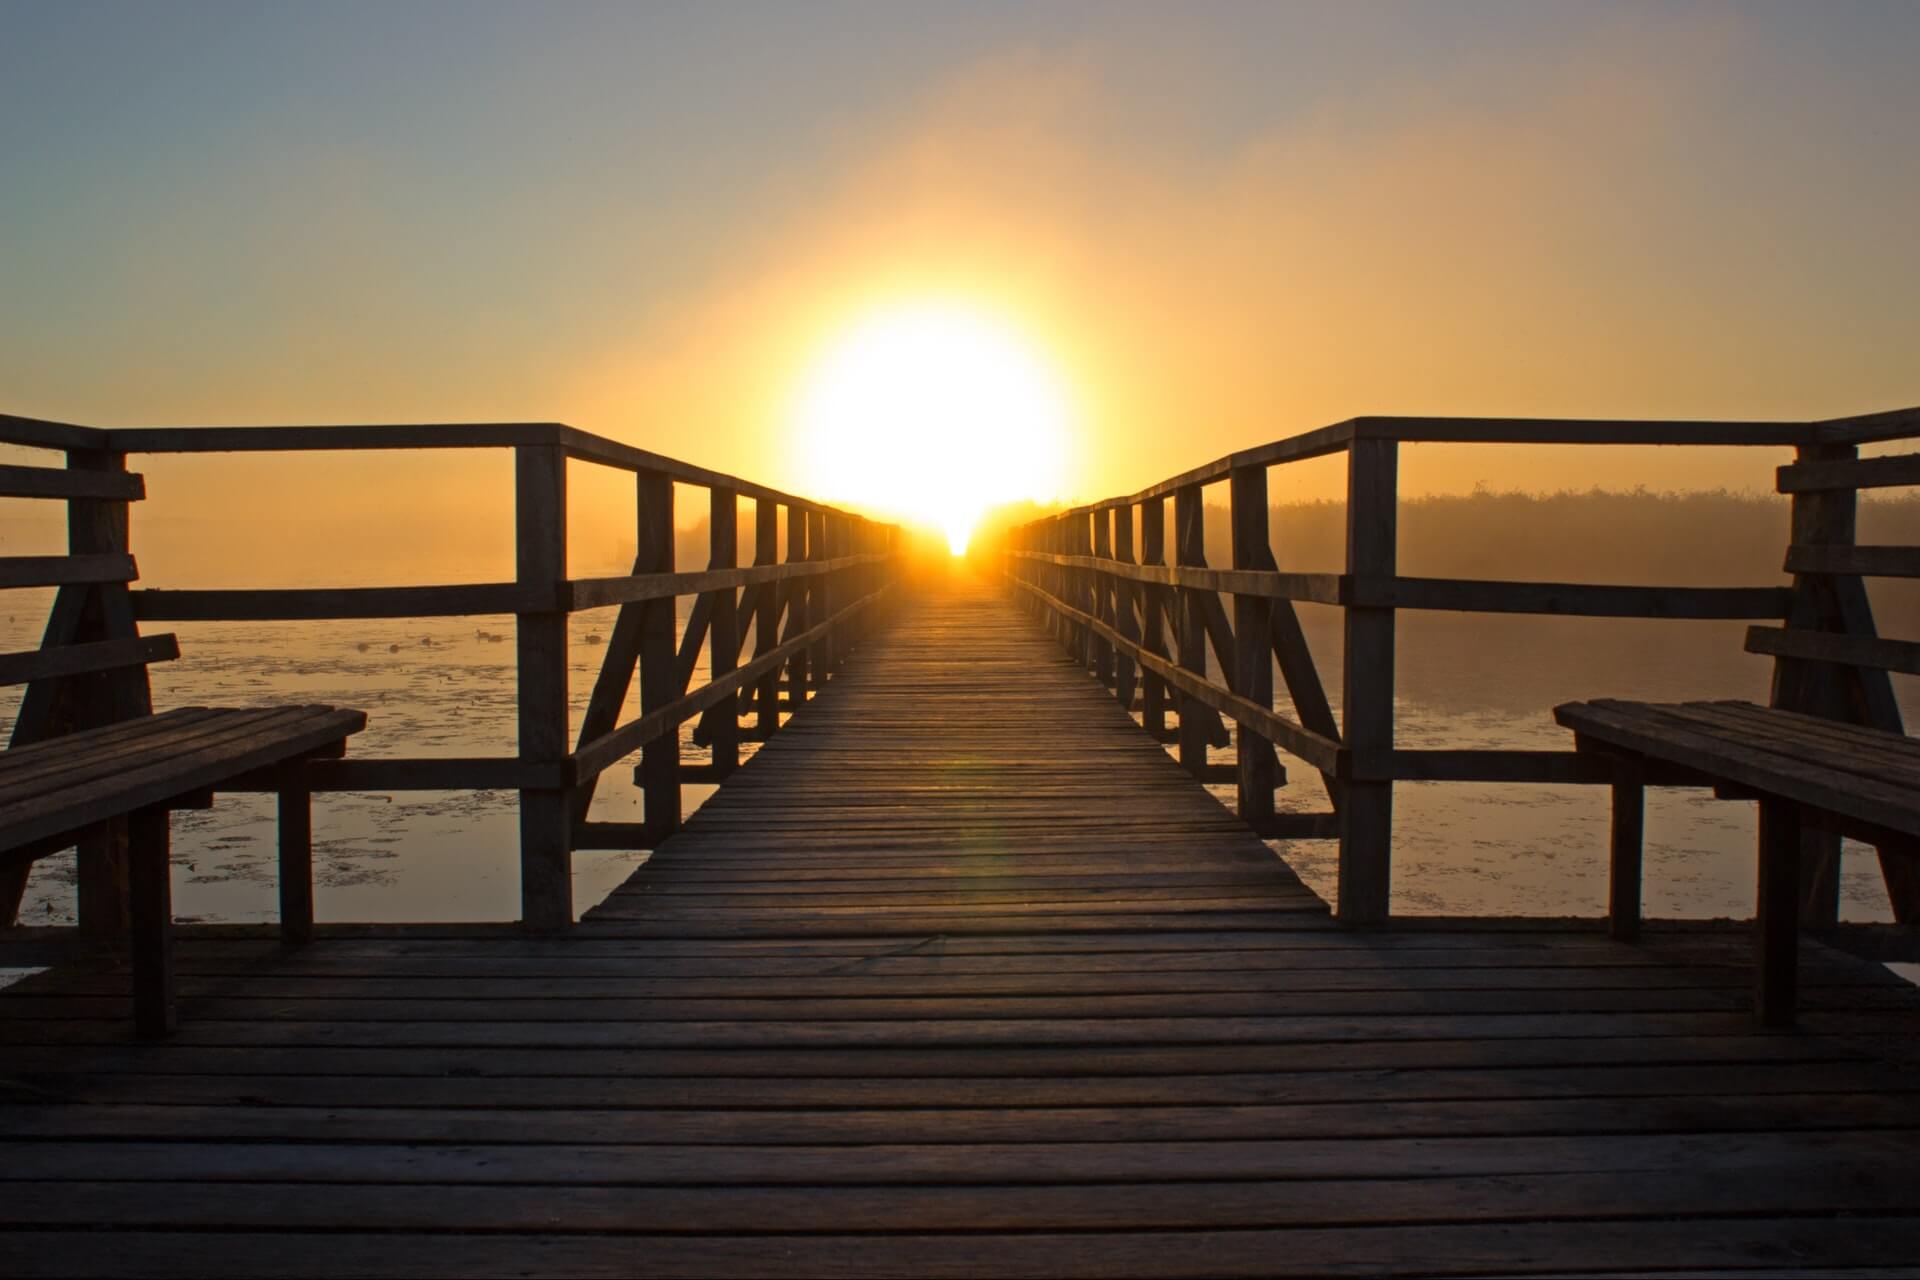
(963, 971)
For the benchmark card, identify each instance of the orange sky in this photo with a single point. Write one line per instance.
(1255, 223)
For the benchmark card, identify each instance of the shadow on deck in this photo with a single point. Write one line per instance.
(961, 975)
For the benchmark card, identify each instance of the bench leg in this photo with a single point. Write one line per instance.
(296, 864)
(150, 871)
(101, 879)
(1777, 913)
(1629, 843)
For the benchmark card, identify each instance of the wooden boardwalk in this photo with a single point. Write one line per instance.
(961, 976)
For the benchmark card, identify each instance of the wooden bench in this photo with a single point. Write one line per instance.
(1809, 774)
(88, 764)
(53, 793)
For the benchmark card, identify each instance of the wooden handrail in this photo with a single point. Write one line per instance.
(838, 567)
(1156, 618)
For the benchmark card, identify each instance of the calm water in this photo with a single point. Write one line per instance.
(445, 687)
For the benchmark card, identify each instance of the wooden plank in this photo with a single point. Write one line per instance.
(1586, 431)
(193, 768)
(306, 604)
(56, 482)
(596, 593)
(1873, 562)
(1586, 600)
(1316, 588)
(1857, 473)
(82, 659)
(54, 571)
(39, 433)
(1745, 762)
(1827, 646)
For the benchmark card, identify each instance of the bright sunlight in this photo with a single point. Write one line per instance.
(932, 411)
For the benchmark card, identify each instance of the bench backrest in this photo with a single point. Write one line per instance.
(1829, 658)
(91, 666)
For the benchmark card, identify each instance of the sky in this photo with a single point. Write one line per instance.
(1213, 224)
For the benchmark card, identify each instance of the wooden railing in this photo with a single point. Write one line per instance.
(1144, 619)
(804, 611)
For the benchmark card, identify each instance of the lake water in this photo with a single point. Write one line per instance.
(445, 687)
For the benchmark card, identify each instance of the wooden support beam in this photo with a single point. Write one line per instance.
(799, 593)
(1253, 642)
(1127, 600)
(723, 631)
(1190, 548)
(150, 866)
(1777, 913)
(1153, 551)
(1366, 810)
(766, 611)
(660, 678)
(295, 804)
(540, 558)
(1627, 839)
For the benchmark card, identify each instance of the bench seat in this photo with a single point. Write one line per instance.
(1806, 772)
(54, 788)
(55, 792)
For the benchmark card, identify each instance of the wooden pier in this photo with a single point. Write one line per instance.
(964, 972)
(961, 975)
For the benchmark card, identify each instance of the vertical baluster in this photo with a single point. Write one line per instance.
(723, 631)
(798, 592)
(546, 820)
(1252, 642)
(659, 643)
(1190, 548)
(766, 617)
(1101, 585)
(821, 597)
(1153, 550)
(1126, 595)
(1366, 815)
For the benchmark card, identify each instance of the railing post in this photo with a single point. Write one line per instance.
(659, 637)
(1126, 593)
(1190, 548)
(1252, 642)
(820, 596)
(546, 818)
(1153, 550)
(1819, 518)
(766, 618)
(1366, 815)
(723, 630)
(1102, 585)
(799, 591)
(1080, 585)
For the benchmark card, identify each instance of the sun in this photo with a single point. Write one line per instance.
(932, 411)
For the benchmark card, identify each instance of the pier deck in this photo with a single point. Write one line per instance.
(961, 975)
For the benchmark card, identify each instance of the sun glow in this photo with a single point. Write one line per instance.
(933, 412)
